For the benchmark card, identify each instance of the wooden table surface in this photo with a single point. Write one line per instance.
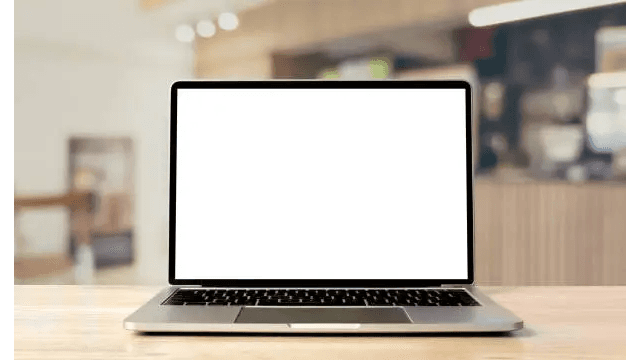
(85, 322)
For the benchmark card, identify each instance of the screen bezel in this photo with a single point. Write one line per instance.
(316, 84)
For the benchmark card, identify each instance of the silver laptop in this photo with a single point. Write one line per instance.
(309, 206)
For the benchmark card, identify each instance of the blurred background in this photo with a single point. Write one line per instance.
(92, 85)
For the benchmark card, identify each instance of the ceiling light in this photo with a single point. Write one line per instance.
(527, 9)
(185, 33)
(228, 21)
(206, 28)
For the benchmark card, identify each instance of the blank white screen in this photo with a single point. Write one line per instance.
(321, 184)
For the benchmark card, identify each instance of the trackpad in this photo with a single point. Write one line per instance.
(259, 315)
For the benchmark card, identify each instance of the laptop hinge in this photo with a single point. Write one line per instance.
(451, 285)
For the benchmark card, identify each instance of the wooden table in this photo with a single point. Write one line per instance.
(79, 204)
(85, 322)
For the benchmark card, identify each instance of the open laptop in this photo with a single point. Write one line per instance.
(313, 206)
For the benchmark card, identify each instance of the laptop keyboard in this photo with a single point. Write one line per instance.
(321, 297)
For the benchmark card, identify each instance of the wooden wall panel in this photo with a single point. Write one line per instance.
(550, 234)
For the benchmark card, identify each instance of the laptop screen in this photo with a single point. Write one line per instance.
(321, 184)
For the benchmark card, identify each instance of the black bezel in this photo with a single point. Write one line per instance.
(311, 84)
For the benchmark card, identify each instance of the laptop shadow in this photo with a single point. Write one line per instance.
(522, 333)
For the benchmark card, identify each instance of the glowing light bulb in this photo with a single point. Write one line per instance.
(228, 21)
(185, 33)
(206, 28)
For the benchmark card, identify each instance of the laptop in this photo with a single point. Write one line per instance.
(317, 206)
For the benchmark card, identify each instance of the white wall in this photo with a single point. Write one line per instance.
(94, 68)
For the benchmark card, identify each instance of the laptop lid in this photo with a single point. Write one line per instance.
(321, 184)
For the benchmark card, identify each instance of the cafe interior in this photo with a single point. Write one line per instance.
(92, 80)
